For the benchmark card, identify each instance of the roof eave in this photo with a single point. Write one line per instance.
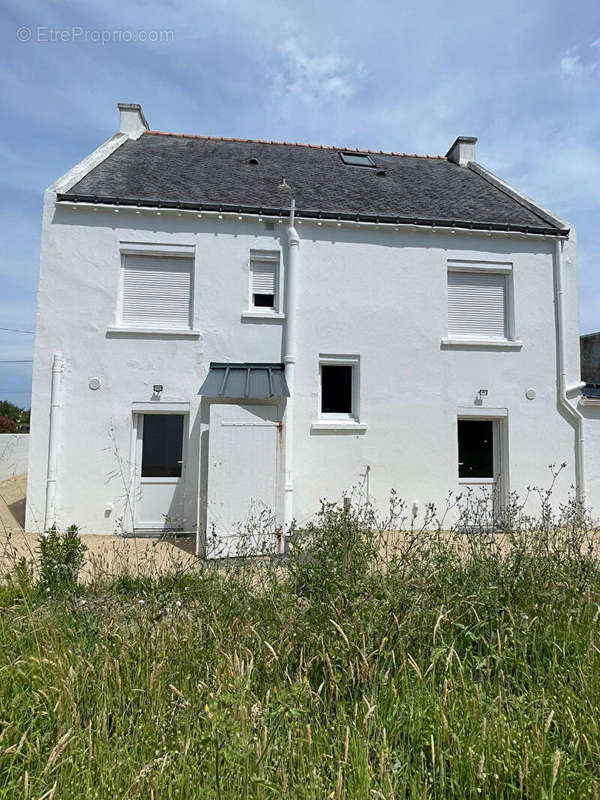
(316, 214)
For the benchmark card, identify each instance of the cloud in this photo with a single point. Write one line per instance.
(314, 79)
(573, 66)
(570, 64)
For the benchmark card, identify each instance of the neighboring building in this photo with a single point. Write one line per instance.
(589, 345)
(203, 349)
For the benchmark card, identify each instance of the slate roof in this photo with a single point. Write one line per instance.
(172, 170)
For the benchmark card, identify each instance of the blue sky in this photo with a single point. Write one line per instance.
(403, 76)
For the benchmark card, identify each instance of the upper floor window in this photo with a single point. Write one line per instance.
(480, 302)
(156, 291)
(264, 281)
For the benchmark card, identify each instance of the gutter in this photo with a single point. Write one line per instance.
(316, 214)
(563, 388)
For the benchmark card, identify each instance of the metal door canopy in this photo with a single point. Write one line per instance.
(247, 380)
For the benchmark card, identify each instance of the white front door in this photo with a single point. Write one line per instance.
(243, 458)
(160, 470)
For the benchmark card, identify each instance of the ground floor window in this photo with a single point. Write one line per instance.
(339, 389)
(336, 389)
(475, 448)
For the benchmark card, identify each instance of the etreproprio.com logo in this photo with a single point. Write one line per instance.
(76, 33)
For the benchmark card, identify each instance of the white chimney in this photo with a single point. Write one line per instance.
(463, 150)
(132, 120)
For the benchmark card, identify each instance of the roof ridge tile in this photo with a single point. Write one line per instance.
(290, 144)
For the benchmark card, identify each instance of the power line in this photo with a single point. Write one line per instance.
(16, 330)
(19, 361)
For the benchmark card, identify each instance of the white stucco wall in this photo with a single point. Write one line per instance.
(14, 448)
(379, 294)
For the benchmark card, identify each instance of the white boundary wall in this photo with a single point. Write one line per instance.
(14, 451)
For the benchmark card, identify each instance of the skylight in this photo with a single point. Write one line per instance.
(357, 159)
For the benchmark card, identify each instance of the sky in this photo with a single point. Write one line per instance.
(402, 76)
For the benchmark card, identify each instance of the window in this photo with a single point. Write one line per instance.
(357, 159)
(156, 292)
(336, 389)
(475, 448)
(339, 393)
(162, 448)
(264, 281)
(478, 304)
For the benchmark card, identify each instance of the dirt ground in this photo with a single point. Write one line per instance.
(107, 555)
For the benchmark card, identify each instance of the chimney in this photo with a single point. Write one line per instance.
(132, 120)
(463, 150)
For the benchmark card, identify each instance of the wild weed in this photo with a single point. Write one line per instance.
(380, 659)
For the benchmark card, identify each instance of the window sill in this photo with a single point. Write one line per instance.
(262, 315)
(347, 427)
(492, 344)
(477, 481)
(115, 330)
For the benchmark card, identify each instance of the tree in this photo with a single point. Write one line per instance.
(9, 412)
(7, 425)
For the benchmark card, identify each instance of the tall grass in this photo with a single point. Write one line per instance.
(366, 665)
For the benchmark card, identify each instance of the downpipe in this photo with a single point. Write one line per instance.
(53, 434)
(289, 359)
(563, 388)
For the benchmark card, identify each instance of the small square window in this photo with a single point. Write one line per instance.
(263, 300)
(357, 159)
(264, 281)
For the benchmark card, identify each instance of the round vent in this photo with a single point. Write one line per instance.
(381, 172)
(253, 160)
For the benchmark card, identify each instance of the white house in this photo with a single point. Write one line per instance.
(226, 325)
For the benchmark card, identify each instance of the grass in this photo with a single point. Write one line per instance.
(447, 666)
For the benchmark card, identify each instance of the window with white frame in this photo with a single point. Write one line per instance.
(264, 281)
(156, 291)
(479, 302)
(339, 388)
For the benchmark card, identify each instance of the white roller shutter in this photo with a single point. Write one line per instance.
(157, 292)
(476, 305)
(264, 277)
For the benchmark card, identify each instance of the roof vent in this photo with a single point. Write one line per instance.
(462, 151)
(284, 184)
(381, 172)
(132, 120)
(253, 160)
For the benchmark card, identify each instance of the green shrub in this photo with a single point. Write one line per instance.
(61, 557)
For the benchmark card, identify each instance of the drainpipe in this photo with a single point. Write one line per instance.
(289, 359)
(563, 389)
(55, 391)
